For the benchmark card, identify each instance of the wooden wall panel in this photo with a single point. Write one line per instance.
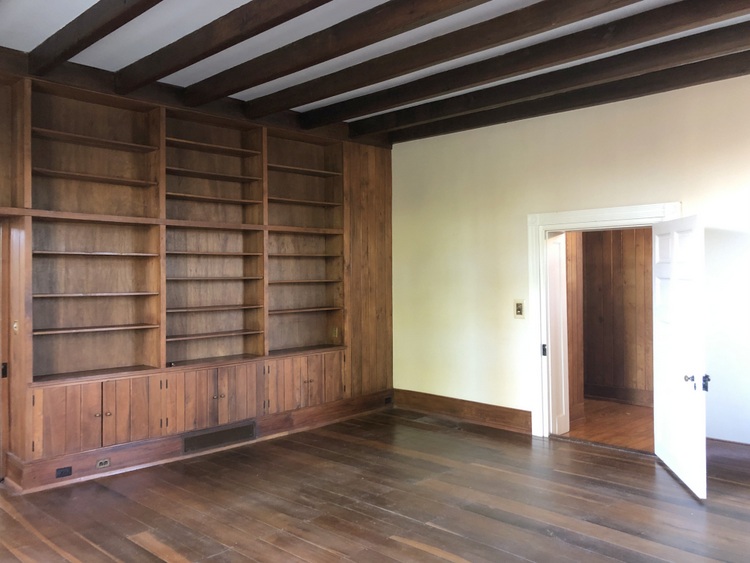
(574, 273)
(369, 317)
(617, 315)
(4, 322)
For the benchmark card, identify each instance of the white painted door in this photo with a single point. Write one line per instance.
(679, 351)
(557, 285)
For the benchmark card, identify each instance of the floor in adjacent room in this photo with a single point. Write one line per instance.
(615, 424)
(392, 486)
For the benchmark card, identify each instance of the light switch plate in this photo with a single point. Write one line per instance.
(519, 309)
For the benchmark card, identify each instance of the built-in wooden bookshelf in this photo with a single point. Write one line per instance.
(214, 171)
(305, 243)
(167, 272)
(94, 154)
(305, 183)
(214, 294)
(95, 287)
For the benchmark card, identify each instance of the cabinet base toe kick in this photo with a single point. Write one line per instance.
(31, 476)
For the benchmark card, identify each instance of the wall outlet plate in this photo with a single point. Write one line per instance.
(519, 309)
(61, 472)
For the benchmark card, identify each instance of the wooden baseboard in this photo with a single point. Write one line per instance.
(621, 395)
(39, 475)
(478, 413)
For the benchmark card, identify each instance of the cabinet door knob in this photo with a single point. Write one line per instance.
(107, 414)
(222, 395)
(216, 396)
(97, 415)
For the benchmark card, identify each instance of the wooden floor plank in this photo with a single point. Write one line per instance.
(615, 424)
(392, 486)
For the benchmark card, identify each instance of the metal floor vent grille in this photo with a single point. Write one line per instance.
(223, 436)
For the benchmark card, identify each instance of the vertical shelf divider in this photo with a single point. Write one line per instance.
(157, 137)
(21, 94)
(266, 301)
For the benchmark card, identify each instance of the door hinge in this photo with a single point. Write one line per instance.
(5, 370)
(544, 349)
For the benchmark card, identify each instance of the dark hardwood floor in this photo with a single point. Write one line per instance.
(615, 424)
(392, 486)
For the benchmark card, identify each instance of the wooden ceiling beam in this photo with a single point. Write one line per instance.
(100, 20)
(379, 23)
(621, 34)
(525, 22)
(720, 68)
(694, 48)
(232, 28)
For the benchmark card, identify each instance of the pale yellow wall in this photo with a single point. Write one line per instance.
(460, 207)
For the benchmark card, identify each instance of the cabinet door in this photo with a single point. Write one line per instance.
(314, 380)
(272, 385)
(125, 408)
(236, 387)
(66, 419)
(297, 377)
(335, 386)
(166, 404)
(199, 399)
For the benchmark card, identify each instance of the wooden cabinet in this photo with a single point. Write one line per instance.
(336, 385)
(69, 419)
(301, 381)
(66, 419)
(274, 385)
(218, 396)
(168, 271)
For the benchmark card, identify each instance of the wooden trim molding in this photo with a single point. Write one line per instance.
(495, 416)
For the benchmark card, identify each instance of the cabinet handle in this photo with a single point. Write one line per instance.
(107, 414)
(98, 415)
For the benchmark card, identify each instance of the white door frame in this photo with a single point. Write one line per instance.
(539, 225)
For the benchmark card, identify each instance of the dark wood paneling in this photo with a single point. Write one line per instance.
(617, 315)
(370, 315)
(574, 273)
(469, 411)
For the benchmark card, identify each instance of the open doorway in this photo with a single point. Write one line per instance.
(610, 337)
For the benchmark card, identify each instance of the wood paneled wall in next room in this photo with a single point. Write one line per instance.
(574, 273)
(617, 315)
